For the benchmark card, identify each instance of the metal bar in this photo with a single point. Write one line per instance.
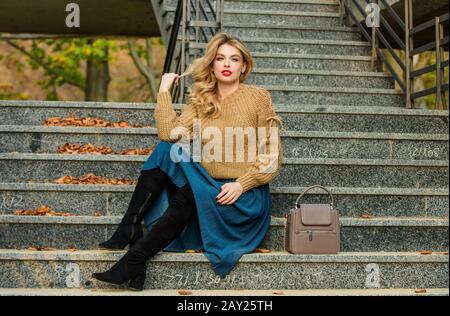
(423, 70)
(197, 18)
(173, 38)
(186, 15)
(428, 91)
(422, 27)
(438, 62)
(392, 71)
(207, 19)
(373, 57)
(341, 13)
(221, 6)
(211, 8)
(394, 15)
(360, 8)
(391, 50)
(392, 32)
(440, 75)
(444, 17)
(363, 30)
(429, 46)
(408, 58)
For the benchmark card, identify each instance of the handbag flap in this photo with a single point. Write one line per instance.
(315, 214)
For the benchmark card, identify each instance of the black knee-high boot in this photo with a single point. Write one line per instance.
(149, 185)
(132, 266)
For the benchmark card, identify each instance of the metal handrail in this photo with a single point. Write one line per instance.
(406, 46)
(192, 17)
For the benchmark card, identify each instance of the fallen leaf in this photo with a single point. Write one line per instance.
(98, 214)
(43, 210)
(84, 149)
(184, 292)
(278, 292)
(72, 248)
(445, 253)
(365, 216)
(426, 252)
(72, 120)
(137, 151)
(91, 178)
(40, 248)
(262, 251)
(420, 290)
(192, 251)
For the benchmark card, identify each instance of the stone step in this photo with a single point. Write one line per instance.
(290, 5)
(268, 17)
(311, 62)
(295, 117)
(318, 78)
(349, 79)
(47, 139)
(322, 32)
(85, 232)
(25, 167)
(227, 293)
(280, 270)
(338, 96)
(277, 45)
(113, 200)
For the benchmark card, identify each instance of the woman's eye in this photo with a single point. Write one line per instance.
(220, 58)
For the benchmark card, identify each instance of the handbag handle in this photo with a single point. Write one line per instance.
(309, 188)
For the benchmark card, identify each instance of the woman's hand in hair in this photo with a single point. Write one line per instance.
(231, 191)
(167, 80)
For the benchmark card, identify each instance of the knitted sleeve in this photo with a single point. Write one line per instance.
(167, 120)
(270, 151)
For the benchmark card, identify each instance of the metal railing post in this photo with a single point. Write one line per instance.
(409, 63)
(374, 57)
(440, 100)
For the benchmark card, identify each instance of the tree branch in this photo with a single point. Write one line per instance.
(43, 64)
(144, 70)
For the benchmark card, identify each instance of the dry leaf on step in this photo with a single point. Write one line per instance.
(262, 250)
(184, 292)
(420, 290)
(278, 292)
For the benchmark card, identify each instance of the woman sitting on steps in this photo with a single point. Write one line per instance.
(220, 206)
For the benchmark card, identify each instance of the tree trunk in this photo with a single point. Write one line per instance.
(97, 79)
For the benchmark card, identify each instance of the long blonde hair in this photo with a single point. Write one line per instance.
(203, 91)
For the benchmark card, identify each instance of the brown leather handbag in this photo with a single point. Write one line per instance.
(313, 228)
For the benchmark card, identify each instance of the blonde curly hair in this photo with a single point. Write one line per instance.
(203, 92)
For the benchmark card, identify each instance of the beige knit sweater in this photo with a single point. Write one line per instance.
(248, 106)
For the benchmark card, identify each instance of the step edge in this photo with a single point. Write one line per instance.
(18, 186)
(284, 133)
(279, 257)
(275, 221)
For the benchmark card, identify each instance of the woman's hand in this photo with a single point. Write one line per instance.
(231, 191)
(167, 80)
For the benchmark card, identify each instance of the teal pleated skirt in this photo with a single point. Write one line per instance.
(223, 232)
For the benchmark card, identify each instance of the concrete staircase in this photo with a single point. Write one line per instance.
(345, 127)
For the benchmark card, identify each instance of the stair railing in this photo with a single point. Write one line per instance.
(198, 25)
(406, 45)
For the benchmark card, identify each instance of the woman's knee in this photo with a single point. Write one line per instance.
(183, 202)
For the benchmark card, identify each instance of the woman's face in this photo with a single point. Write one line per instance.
(228, 64)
